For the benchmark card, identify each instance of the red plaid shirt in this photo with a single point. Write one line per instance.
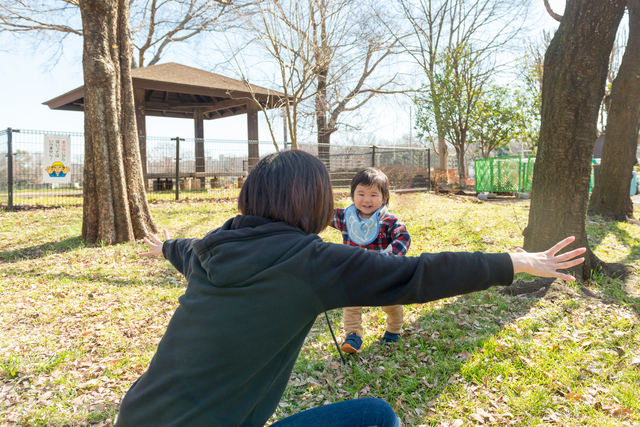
(392, 232)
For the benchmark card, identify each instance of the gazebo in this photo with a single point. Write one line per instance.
(175, 90)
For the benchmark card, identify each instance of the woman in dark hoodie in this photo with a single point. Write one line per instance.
(255, 288)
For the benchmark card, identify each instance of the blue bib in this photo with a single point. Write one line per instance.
(362, 231)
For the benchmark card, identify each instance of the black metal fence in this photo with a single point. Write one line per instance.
(204, 168)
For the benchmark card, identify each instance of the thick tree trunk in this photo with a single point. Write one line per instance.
(574, 76)
(115, 204)
(610, 197)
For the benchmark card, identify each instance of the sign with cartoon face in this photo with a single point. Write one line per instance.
(57, 158)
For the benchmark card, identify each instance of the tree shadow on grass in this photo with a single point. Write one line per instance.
(411, 373)
(164, 279)
(436, 347)
(44, 249)
(415, 370)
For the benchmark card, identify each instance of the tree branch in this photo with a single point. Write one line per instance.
(551, 12)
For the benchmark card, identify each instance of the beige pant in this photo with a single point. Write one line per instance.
(353, 319)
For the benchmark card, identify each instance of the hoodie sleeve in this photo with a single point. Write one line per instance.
(177, 251)
(346, 276)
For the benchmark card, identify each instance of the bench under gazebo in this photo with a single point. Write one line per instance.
(178, 91)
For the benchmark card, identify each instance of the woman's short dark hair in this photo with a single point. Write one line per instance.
(369, 177)
(289, 186)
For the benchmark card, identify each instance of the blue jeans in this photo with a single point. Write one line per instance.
(349, 413)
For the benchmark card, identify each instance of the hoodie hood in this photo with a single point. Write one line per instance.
(225, 262)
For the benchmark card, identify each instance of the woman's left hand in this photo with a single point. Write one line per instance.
(545, 264)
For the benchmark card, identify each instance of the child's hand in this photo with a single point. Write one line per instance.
(545, 264)
(156, 245)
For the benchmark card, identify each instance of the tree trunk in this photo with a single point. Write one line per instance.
(575, 72)
(115, 203)
(324, 133)
(611, 197)
(321, 59)
(442, 153)
(462, 170)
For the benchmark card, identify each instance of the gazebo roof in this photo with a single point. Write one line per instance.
(175, 90)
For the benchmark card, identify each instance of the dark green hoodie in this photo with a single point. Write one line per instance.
(255, 288)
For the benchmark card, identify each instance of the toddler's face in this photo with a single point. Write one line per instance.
(367, 200)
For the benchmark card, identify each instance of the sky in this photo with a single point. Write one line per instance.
(27, 80)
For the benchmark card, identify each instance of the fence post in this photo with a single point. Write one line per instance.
(177, 139)
(10, 168)
(429, 167)
(373, 156)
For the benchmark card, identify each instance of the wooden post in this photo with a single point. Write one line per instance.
(141, 121)
(198, 121)
(252, 133)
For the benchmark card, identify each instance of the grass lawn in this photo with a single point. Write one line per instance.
(79, 324)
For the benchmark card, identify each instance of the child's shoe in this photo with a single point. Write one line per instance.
(352, 343)
(389, 338)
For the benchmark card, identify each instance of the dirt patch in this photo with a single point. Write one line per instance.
(549, 289)
(469, 193)
(554, 289)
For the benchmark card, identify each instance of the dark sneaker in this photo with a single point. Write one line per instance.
(389, 338)
(352, 343)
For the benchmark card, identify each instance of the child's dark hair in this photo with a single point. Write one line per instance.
(289, 186)
(369, 177)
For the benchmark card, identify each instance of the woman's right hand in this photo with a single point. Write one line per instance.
(156, 245)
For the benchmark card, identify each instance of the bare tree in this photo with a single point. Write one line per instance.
(531, 73)
(611, 196)
(155, 24)
(346, 64)
(575, 70)
(24, 16)
(615, 59)
(326, 56)
(115, 206)
(453, 111)
(487, 25)
(282, 29)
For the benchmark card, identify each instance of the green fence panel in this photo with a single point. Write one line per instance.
(483, 171)
(527, 174)
(504, 174)
(507, 174)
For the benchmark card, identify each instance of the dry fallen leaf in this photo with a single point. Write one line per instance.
(477, 417)
(465, 355)
(573, 396)
(525, 360)
(621, 411)
(78, 400)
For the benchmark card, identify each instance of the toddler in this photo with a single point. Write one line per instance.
(368, 224)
